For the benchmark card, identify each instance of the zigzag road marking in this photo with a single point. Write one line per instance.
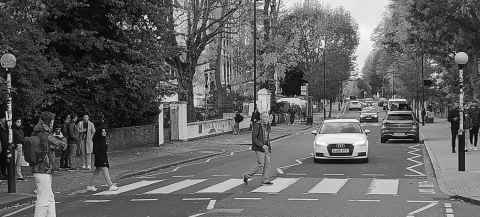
(413, 151)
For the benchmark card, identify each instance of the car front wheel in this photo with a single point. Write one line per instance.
(383, 140)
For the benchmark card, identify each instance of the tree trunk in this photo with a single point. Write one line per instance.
(330, 110)
(185, 92)
(219, 89)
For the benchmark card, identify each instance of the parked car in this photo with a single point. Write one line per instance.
(355, 105)
(341, 139)
(400, 125)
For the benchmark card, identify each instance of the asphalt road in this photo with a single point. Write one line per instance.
(397, 181)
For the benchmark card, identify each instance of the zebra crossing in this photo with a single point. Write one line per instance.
(326, 186)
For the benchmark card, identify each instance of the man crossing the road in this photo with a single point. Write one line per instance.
(262, 150)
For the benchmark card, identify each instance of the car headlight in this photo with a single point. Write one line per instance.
(320, 144)
(361, 143)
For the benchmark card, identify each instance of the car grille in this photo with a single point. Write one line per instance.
(340, 146)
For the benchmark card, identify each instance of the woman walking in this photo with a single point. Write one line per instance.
(18, 140)
(101, 158)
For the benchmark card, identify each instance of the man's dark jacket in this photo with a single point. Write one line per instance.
(475, 116)
(257, 137)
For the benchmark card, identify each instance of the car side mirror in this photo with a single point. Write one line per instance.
(315, 132)
(367, 131)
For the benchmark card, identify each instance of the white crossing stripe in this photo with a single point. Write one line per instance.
(328, 186)
(278, 185)
(383, 186)
(176, 186)
(223, 186)
(129, 187)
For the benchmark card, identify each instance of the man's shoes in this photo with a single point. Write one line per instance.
(20, 179)
(91, 188)
(453, 151)
(268, 183)
(113, 188)
(245, 180)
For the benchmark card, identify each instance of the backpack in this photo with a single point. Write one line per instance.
(31, 147)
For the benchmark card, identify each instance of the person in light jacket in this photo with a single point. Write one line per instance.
(262, 151)
(86, 129)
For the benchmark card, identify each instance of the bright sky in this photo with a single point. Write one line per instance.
(367, 13)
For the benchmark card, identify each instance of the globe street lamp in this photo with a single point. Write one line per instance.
(8, 61)
(461, 59)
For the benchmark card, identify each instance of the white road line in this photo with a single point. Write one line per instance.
(425, 184)
(448, 205)
(280, 171)
(430, 205)
(373, 174)
(426, 191)
(328, 186)
(383, 186)
(197, 215)
(19, 210)
(303, 199)
(129, 187)
(176, 168)
(144, 199)
(333, 174)
(297, 174)
(176, 186)
(450, 215)
(247, 198)
(364, 200)
(96, 201)
(449, 210)
(211, 204)
(412, 159)
(298, 161)
(232, 153)
(278, 185)
(223, 186)
(221, 175)
(189, 176)
(197, 198)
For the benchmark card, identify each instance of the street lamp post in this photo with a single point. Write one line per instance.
(423, 93)
(461, 59)
(255, 54)
(325, 79)
(8, 61)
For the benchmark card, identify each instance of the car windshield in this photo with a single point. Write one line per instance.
(329, 128)
(400, 117)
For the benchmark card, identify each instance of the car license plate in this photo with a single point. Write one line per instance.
(340, 150)
(369, 117)
(398, 134)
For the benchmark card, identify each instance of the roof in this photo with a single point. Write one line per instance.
(342, 121)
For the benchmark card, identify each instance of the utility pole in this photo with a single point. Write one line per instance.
(255, 54)
(325, 79)
(423, 93)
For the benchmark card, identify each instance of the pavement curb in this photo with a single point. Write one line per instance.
(441, 183)
(163, 166)
(29, 198)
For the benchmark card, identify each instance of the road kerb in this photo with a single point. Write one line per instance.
(151, 169)
(29, 198)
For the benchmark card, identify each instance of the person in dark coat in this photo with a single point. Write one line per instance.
(100, 149)
(262, 151)
(454, 119)
(4, 148)
(475, 125)
(238, 118)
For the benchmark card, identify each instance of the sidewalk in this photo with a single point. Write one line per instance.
(133, 162)
(464, 185)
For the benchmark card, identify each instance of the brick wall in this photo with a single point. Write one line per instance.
(135, 136)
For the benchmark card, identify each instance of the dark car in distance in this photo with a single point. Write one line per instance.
(400, 125)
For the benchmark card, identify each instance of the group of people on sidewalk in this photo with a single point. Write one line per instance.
(471, 125)
(72, 139)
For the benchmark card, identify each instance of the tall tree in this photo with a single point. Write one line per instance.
(193, 25)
